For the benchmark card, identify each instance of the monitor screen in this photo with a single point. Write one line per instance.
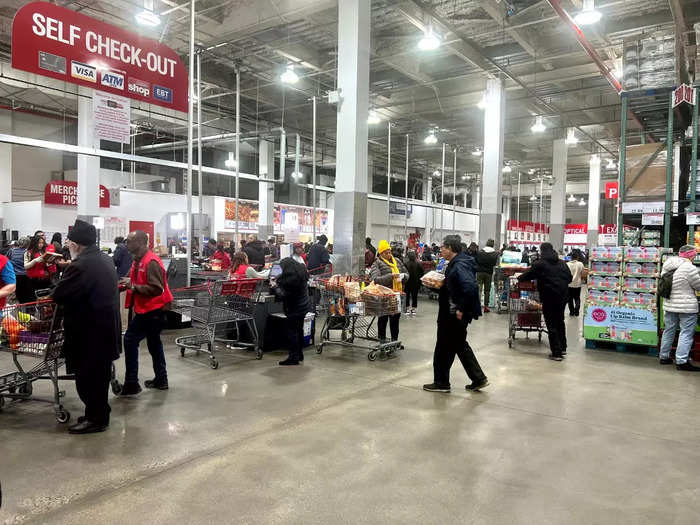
(276, 270)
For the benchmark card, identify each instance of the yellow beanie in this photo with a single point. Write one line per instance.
(383, 246)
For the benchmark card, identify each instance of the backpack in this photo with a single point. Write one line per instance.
(665, 284)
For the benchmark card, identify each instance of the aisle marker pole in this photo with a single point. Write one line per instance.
(405, 211)
(190, 114)
(442, 197)
(199, 149)
(313, 167)
(238, 146)
(388, 185)
(518, 212)
(454, 194)
(694, 165)
(669, 173)
(621, 172)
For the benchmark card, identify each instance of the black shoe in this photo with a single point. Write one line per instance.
(668, 361)
(556, 358)
(130, 389)
(159, 385)
(434, 387)
(301, 357)
(289, 362)
(87, 427)
(687, 367)
(478, 385)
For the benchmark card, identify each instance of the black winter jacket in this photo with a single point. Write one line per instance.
(294, 295)
(256, 253)
(415, 272)
(486, 260)
(460, 291)
(553, 277)
(318, 256)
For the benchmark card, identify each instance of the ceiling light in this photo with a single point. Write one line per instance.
(373, 117)
(572, 198)
(571, 137)
(588, 15)
(431, 138)
(230, 162)
(507, 169)
(429, 42)
(436, 173)
(482, 103)
(538, 126)
(289, 76)
(148, 18)
(468, 177)
(476, 152)
(297, 175)
(582, 202)
(533, 198)
(611, 164)
(464, 177)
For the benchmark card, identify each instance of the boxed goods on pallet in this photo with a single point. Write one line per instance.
(649, 62)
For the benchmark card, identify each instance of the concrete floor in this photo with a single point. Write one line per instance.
(601, 438)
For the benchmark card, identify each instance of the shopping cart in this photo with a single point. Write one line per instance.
(524, 310)
(217, 307)
(33, 332)
(354, 315)
(501, 284)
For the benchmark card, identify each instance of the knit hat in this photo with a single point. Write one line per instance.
(687, 251)
(383, 246)
(83, 233)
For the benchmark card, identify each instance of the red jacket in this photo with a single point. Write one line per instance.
(222, 256)
(144, 304)
(239, 273)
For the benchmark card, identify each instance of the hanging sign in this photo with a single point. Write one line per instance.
(575, 234)
(643, 207)
(612, 189)
(692, 218)
(111, 117)
(683, 93)
(400, 208)
(65, 193)
(56, 42)
(652, 219)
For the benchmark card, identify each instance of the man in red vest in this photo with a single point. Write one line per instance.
(149, 296)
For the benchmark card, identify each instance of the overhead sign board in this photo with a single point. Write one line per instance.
(65, 193)
(643, 207)
(59, 43)
(683, 93)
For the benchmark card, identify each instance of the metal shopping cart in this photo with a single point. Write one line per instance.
(216, 307)
(33, 332)
(524, 310)
(354, 314)
(501, 284)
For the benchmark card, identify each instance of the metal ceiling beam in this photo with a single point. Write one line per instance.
(523, 36)
(680, 27)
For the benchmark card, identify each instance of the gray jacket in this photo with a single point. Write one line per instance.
(380, 272)
(686, 281)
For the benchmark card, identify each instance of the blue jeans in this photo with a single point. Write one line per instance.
(144, 326)
(685, 339)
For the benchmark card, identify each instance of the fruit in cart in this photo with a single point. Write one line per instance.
(11, 325)
(24, 317)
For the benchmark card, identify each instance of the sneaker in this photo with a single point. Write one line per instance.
(667, 361)
(130, 389)
(157, 384)
(289, 362)
(486, 309)
(434, 387)
(477, 385)
(687, 367)
(556, 358)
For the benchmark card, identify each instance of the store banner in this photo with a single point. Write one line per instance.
(65, 193)
(59, 43)
(620, 324)
(111, 117)
(576, 234)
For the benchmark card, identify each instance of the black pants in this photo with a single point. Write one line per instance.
(574, 300)
(451, 341)
(556, 328)
(295, 337)
(393, 321)
(412, 298)
(145, 326)
(92, 378)
(484, 279)
(25, 290)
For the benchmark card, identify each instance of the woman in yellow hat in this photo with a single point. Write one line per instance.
(390, 272)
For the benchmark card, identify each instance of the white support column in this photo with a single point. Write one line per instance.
(266, 190)
(558, 211)
(429, 212)
(593, 200)
(350, 221)
(88, 167)
(6, 158)
(494, 124)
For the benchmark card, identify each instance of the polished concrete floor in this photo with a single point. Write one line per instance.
(602, 438)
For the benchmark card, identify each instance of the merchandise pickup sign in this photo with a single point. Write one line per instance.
(56, 42)
(65, 193)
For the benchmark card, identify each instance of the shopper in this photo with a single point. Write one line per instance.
(390, 272)
(24, 291)
(209, 248)
(149, 296)
(292, 288)
(8, 280)
(36, 264)
(553, 277)
(239, 266)
(299, 255)
(576, 268)
(486, 260)
(473, 250)
(318, 255)
(255, 250)
(92, 324)
(273, 248)
(370, 253)
(122, 258)
(413, 284)
(681, 308)
(220, 255)
(458, 305)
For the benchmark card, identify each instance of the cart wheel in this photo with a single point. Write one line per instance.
(372, 356)
(116, 387)
(25, 389)
(182, 351)
(319, 349)
(258, 353)
(214, 364)
(62, 415)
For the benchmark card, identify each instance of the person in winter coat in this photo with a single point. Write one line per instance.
(92, 324)
(413, 284)
(122, 258)
(486, 259)
(681, 309)
(298, 255)
(553, 277)
(255, 250)
(370, 253)
(390, 272)
(24, 291)
(318, 255)
(292, 287)
(459, 305)
(576, 268)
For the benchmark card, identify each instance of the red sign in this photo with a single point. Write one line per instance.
(575, 229)
(59, 43)
(612, 189)
(683, 93)
(527, 226)
(65, 193)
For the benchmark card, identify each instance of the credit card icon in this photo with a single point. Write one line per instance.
(53, 63)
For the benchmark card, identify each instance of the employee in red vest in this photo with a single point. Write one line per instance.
(149, 296)
(219, 254)
(36, 260)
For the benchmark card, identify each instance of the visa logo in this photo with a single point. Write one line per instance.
(162, 93)
(83, 71)
(113, 80)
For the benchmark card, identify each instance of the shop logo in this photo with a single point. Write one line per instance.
(112, 80)
(599, 315)
(163, 94)
(139, 87)
(83, 71)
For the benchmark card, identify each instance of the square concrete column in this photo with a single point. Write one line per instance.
(494, 124)
(429, 212)
(88, 166)
(350, 221)
(266, 190)
(6, 158)
(558, 211)
(593, 200)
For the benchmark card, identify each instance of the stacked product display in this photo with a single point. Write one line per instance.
(621, 304)
(647, 238)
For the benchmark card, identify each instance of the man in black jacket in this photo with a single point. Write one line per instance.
(92, 324)
(458, 306)
(318, 255)
(486, 259)
(553, 277)
(255, 250)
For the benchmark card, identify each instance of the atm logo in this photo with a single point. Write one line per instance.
(83, 71)
(113, 80)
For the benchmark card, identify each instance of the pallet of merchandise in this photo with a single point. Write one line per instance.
(610, 346)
